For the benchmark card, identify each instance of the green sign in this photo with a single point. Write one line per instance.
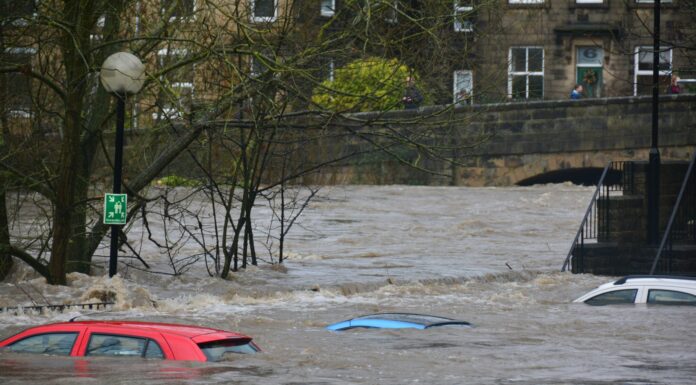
(115, 206)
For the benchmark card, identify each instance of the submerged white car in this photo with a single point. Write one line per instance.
(650, 289)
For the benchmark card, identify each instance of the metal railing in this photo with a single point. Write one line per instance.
(682, 222)
(616, 177)
(59, 308)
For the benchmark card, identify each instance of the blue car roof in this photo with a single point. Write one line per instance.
(395, 321)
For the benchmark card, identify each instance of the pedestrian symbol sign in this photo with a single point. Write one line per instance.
(115, 206)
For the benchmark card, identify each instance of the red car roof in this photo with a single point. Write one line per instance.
(189, 331)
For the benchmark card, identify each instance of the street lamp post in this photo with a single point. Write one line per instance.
(654, 157)
(121, 74)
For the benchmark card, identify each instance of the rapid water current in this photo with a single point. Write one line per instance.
(490, 256)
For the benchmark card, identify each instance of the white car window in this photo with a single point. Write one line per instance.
(670, 297)
(613, 297)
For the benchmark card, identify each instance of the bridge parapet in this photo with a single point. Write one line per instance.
(534, 138)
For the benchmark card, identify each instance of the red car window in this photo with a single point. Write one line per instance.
(221, 350)
(60, 344)
(122, 346)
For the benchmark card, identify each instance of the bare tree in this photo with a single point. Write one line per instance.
(228, 95)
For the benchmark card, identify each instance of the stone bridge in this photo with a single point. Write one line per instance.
(544, 142)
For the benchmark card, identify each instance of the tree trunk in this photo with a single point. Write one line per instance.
(69, 162)
(6, 261)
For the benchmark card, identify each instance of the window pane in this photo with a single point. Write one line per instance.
(114, 345)
(220, 350)
(519, 59)
(257, 67)
(670, 297)
(462, 81)
(536, 60)
(264, 8)
(51, 343)
(519, 87)
(462, 22)
(153, 350)
(463, 86)
(590, 56)
(614, 298)
(327, 7)
(536, 87)
(645, 59)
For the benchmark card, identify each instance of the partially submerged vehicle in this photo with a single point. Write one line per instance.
(130, 339)
(650, 289)
(396, 321)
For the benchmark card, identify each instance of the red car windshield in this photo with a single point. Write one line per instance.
(221, 349)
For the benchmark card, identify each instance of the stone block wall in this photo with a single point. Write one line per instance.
(528, 139)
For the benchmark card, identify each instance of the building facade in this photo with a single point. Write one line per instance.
(465, 51)
(546, 47)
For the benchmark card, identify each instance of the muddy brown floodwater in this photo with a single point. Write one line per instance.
(490, 256)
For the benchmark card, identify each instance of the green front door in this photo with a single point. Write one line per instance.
(591, 80)
(589, 62)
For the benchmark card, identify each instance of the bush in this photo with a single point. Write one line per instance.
(177, 181)
(372, 84)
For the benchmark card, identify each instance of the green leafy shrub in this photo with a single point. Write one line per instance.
(177, 181)
(371, 84)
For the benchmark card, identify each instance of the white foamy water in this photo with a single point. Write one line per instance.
(490, 256)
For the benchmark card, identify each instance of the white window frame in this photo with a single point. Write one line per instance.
(526, 1)
(636, 64)
(459, 8)
(589, 1)
(264, 19)
(171, 112)
(455, 89)
(101, 21)
(21, 51)
(332, 69)
(330, 12)
(525, 73)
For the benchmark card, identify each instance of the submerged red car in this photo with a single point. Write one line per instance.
(130, 339)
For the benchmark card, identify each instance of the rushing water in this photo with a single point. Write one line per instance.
(486, 255)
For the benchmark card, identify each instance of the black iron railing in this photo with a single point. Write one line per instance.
(682, 222)
(617, 177)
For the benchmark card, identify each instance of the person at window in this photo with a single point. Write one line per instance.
(674, 87)
(412, 96)
(576, 93)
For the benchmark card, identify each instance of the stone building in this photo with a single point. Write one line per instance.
(539, 49)
(545, 47)
(490, 50)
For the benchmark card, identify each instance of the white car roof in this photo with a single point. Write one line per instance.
(655, 279)
(634, 281)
